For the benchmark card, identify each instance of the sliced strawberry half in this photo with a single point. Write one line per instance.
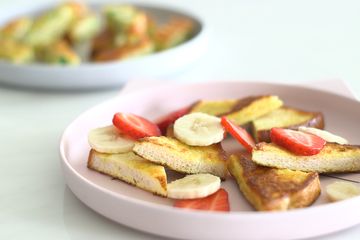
(218, 201)
(135, 126)
(297, 142)
(239, 133)
(170, 118)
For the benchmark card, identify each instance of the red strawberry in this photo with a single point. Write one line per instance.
(297, 142)
(239, 133)
(135, 126)
(170, 118)
(217, 201)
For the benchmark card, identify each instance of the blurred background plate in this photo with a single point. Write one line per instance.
(108, 74)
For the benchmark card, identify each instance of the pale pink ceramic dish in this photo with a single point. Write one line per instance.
(141, 210)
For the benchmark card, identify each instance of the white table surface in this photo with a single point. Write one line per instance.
(285, 41)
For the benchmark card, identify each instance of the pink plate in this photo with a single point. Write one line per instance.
(141, 210)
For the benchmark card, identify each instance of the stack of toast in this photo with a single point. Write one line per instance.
(271, 179)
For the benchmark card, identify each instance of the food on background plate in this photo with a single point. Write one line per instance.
(271, 189)
(115, 33)
(16, 52)
(58, 53)
(132, 169)
(284, 117)
(84, 28)
(280, 175)
(181, 157)
(172, 33)
(143, 47)
(16, 29)
(50, 27)
(341, 190)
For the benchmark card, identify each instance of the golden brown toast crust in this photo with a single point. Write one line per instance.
(250, 108)
(274, 189)
(216, 107)
(244, 102)
(318, 121)
(332, 158)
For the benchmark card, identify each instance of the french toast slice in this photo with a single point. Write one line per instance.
(285, 117)
(214, 107)
(183, 158)
(240, 111)
(332, 158)
(271, 189)
(253, 107)
(132, 169)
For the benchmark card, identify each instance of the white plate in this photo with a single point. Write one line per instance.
(141, 210)
(109, 74)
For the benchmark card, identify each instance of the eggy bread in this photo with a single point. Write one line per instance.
(240, 111)
(131, 169)
(333, 157)
(253, 107)
(271, 189)
(181, 157)
(285, 117)
(214, 107)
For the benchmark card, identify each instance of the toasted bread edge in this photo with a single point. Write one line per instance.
(160, 180)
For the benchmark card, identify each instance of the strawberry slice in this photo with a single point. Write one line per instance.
(297, 142)
(135, 126)
(239, 133)
(170, 118)
(217, 201)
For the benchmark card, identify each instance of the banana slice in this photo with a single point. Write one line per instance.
(341, 190)
(327, 136)
(193, 186)
(198, 129)
(109, 140)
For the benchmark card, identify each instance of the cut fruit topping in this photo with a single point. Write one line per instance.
(194, 186)
(341, 190)
(135, 126)
(198, 129)
(239, 133)
(327, 136)
(217, 201)
(297, 142)
(164, 122)
(109, 140)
